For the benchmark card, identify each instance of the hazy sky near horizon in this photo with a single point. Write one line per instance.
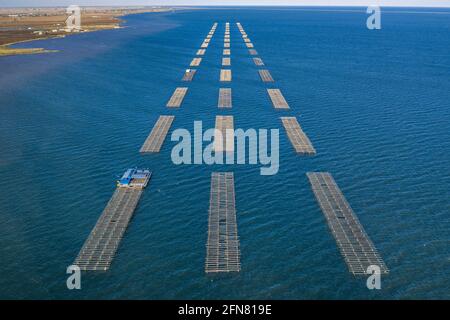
(409, 3)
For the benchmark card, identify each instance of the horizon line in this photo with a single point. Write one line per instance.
(231, 6)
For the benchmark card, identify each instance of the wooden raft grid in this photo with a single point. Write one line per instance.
(201, 52)
(277, 98)
(226, 61)
(224, 98)
(222, 247)
(226, 144)
(258, 61)
(298, 138)
(156, 137)
(265, 75)
(196, 62)
(188, 76)
(253, 52)
(226, 52)
(177, 97)
(225, 75)
(100, 247)
(355, 245)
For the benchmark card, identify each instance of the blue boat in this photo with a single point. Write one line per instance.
(134, 178)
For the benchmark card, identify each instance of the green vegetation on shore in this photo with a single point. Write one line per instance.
(5, 50)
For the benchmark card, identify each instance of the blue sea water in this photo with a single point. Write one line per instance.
(374, 103)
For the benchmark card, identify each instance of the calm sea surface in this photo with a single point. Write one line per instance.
(374, 103)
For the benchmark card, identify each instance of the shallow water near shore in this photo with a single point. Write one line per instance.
(375, 105)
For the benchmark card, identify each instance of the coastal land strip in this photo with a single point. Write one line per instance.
(27, 24)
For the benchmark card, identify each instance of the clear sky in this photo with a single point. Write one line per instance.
(410, 3)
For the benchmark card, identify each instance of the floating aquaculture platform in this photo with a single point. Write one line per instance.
(226, 52)
(277, 98)
(196, 62)
(258, 61)
(201, 52)
(189, 75)
(156, 138)
(101, 246)
(177, 97)
(355, 245)
(225, 125)
(226, 61)
(265, 75)
(224, 98)
(222, 247)
(225, 75)
(298, 138)
(253, 52)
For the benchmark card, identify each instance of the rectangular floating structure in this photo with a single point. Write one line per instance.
(225, 75)
(226, 127)
(156, 137)
(177, 97)
(222, 247)
(101, 246)
(189, 75)
(206, 40)
(249, 45)
(265, 75)
(201, 52)
(226, 40)
(196, 62)
(226, 52)
(253, 52)
(277, 98)
(258, 61)
(246, 39)
(298, 138)
(224, 98)
(355, 245)
(204, 45)
(226, 45)
(226, 61)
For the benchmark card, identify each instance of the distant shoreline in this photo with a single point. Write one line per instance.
(26, 20)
